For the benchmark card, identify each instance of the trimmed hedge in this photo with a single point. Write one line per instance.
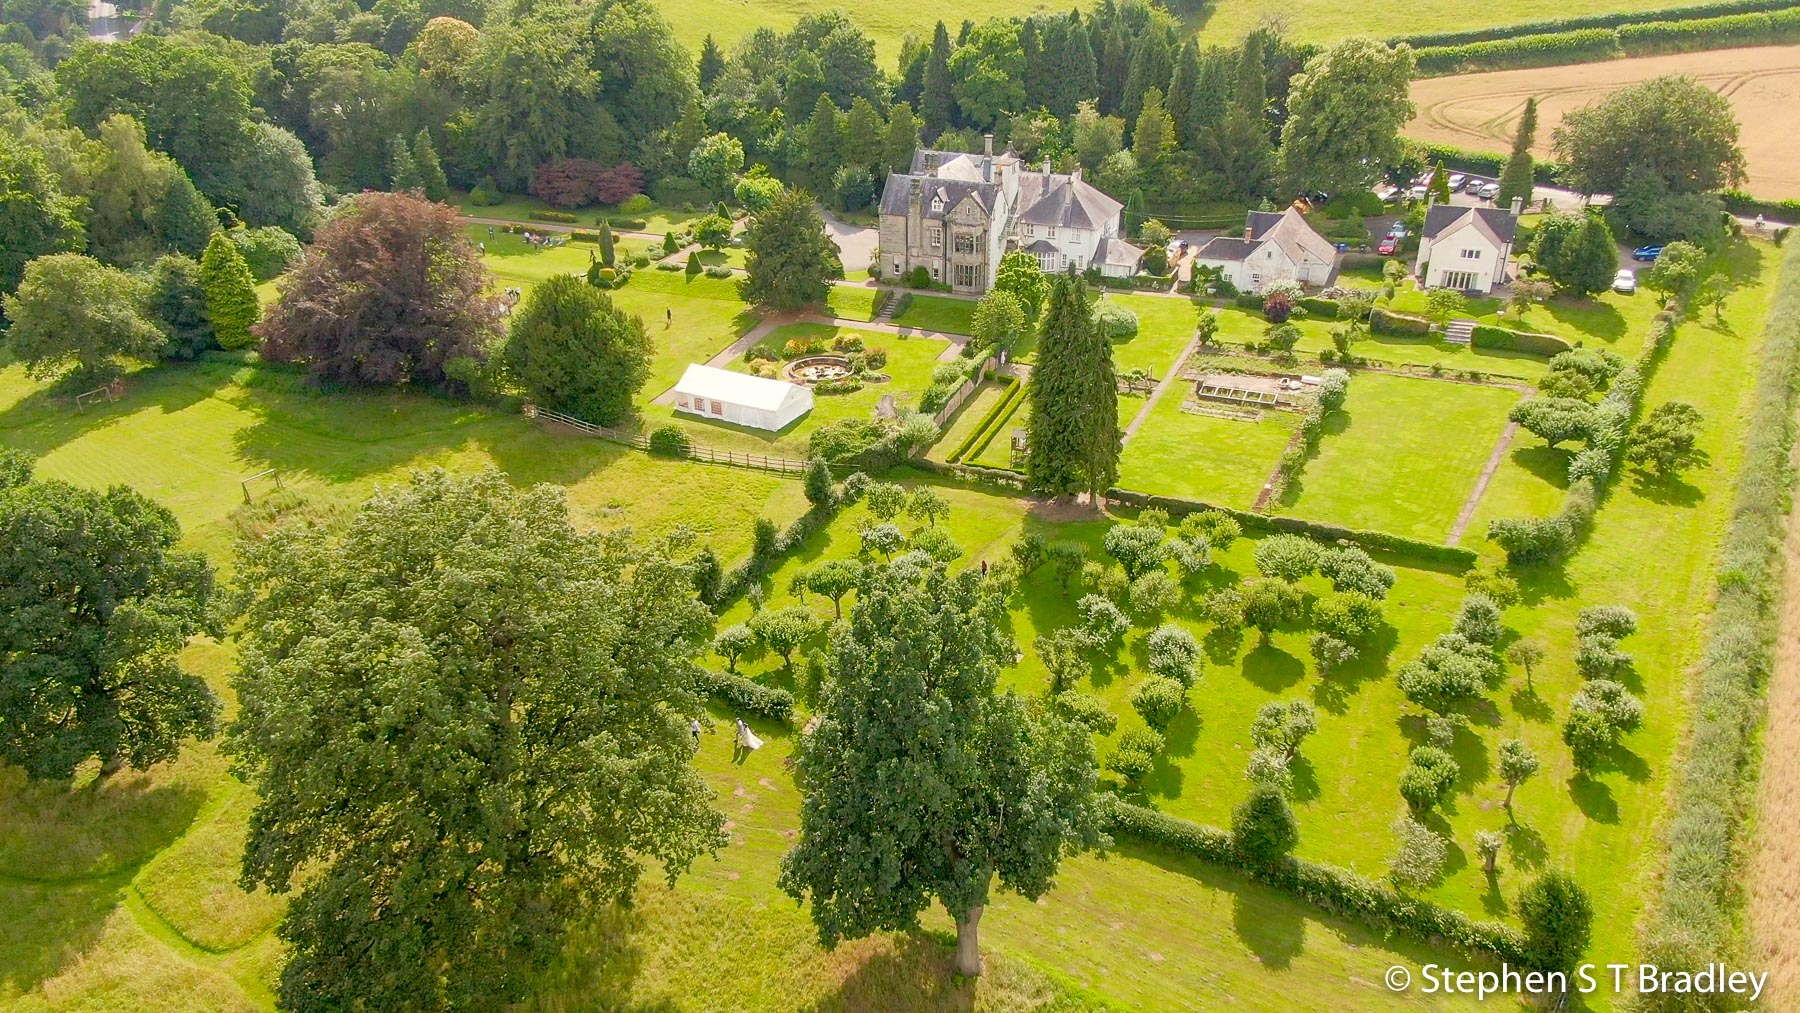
(1638, 38)
(1487, 336)
(1249, 301)
(1324, 309)
(1697, 918)
(1740, 203)
(1331, 889)
(1384, 321)
(552, 216)
(1612, 19)
(1374, 541)
(988, 421)
(743, 694)
(1485, 163)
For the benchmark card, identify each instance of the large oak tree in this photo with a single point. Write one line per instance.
(577, 353)
(392, 292)
(922, 782)
(95, 607)
(467, 724)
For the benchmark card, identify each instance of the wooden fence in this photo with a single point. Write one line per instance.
(639, 441)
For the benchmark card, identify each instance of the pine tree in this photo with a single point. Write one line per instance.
(184, 219)
(429, 168)
(1181, 91)
(1153, 134)
(937, 107)
(1250, 92)
(402, 170)
(1074, 432)
(1034, 64)
(1440, 183)
(1111, 68)
(823, 143)
(862, 135)
(1516, 177)
(1151, 67)
(900, 138)
(230, 291)
(607, 254)
(712, 63)
(790, 261)
(1207, 102)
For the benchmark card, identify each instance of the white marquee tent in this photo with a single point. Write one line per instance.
(740, 398)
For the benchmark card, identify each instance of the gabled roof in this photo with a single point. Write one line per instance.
(1497, 224)
(895, 194)
(1060, 200)
(1118, 253)
(1227, 249)
(955, 164)
(736, 388)
(1294, 234)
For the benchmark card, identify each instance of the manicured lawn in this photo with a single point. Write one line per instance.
(937, 313)
(1402, 456)
(998, 452)
(1203, 457)
(851, 302)
(518, 208)
(1238, 327)
(730, 256)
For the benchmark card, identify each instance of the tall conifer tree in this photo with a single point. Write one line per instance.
(1074, 434)
(937, 107)
(1516, 177)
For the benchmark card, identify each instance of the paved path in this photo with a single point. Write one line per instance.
(737, 348)
(554, 227)
(1493, 464)
(1170, 379)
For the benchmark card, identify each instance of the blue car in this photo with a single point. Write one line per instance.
(1647, 253)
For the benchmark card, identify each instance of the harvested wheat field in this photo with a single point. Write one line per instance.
(1763, 83)
(1775, 882)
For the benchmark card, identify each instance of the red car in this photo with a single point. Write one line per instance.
(1388, 245)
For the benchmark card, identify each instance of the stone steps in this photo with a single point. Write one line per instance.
(1459, 332)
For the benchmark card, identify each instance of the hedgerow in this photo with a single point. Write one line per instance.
(746, 695)
(1695, 920)
(1639, 37)
(1610, 19)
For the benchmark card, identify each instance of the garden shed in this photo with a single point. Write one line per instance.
(741, 399)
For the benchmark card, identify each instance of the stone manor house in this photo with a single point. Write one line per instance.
(956, 215)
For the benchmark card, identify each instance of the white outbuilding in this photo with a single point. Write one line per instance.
(741, 399)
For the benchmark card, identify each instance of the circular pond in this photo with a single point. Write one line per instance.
(816, 369)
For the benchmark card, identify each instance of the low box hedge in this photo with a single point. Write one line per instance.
(1325, 309)
(749, 696)
(1385, 321)
(1248, 301)
(552, 216)
(1333, 890)
(1504, 338)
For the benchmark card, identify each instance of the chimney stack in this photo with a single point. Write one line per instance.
(1247, 232)
(987, 145)
(1518, 206)
(1046, 167)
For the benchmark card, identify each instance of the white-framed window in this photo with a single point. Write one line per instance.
(1459, 279)
(1031, 230)
(937, 236)
(1471, 254)
(937, 203)
(1050, 232)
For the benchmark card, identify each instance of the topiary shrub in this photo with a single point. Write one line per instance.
(1157, 700)
(1263, 830)
(1115, 321)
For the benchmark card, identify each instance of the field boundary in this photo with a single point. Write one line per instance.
(1685, 12)
(1594, 45)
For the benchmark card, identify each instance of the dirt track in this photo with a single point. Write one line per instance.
(1481, 110)
(1774, 887)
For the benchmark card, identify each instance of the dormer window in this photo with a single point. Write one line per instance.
(937, 203)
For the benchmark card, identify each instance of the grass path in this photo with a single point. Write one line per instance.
(1487, 475)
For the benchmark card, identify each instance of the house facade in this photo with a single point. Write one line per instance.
(1467, 248)
(1275, 246)
(955, 215)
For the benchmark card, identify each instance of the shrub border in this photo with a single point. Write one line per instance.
(1013, 386)
(1695, 918)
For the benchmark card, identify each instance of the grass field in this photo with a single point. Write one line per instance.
(1482, 110)
(1402, 455)
(937, 313)
(518, 208)
(1203, 457)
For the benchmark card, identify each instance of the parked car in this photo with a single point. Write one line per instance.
(1388, 245)
(1397, 231)
(1417, 192)
(1474, 184)
(1625, 282)
(1456, 181)
(1647, 253)
(1489, 191)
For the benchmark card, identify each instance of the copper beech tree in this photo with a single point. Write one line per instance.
(391, 292)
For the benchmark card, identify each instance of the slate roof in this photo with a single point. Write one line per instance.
(1060, 200)
(899, 186)
(1227, 248)
(1496, 223)
(1118, 253)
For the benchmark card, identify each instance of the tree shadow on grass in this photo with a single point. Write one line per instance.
(1670, 490)
(1272, 669)
(1493, 902)
(1306, 779)
(1547, 464)
(1528, 705)
(48, 418)
(51, 926)
(1183, 733)
(1223, 644)
(915, 974)
(1165, 778)
(57, 832)
(1275, 936)
(1526, 846)
(601, 960)
(1590, 316)
(1594, 798)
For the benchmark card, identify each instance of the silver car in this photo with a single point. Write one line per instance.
(1625, 282)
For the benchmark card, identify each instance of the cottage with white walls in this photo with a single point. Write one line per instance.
(1467, 248)
(1276, 246)
(741, 399)
(956, 215)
